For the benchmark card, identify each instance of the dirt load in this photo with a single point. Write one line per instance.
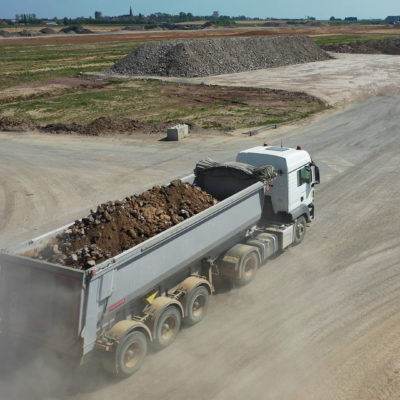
(384, 46)
(191, 58)
(117, 226)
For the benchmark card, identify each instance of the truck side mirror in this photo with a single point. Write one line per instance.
(315, 171)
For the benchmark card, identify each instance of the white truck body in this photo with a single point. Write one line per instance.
(293, 188)
(131, 299)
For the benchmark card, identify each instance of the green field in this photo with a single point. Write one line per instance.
(28, 72)
(339, 39)
(22, 63)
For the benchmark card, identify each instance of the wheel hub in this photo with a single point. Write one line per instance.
(132, 356)
(168, 328)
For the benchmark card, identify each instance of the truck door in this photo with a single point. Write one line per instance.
(301, 189)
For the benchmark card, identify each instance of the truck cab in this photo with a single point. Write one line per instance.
(291, 195)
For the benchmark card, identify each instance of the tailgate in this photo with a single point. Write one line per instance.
(41, 302)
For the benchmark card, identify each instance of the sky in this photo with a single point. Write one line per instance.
(321, 9)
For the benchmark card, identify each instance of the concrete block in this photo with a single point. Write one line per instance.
(178, 132)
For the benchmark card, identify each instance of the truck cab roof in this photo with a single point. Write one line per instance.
(282, 158)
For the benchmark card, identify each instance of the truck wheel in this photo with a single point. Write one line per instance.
(168, 326)
(129, 355)
(248, 268)
(197, 305)
(299, 230)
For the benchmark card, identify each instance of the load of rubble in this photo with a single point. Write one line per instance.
(191, 58)
(45, 31)
(120, 225)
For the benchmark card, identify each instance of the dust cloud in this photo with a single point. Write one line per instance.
(29, 370)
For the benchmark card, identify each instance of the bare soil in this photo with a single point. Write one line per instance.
(347, 78)
(99, 126)
(117, 226)
(55, 85)
(277, 104)
(321, 321)
(209, 33)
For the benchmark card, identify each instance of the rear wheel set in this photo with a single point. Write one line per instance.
(131, 351)
(128, 356)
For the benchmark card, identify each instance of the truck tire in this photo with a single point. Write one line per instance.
(299, 230)
(167, 328)
(247, 268)
(128, 356)
(197, 305)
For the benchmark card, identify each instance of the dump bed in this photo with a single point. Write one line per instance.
(67, 308)
(41, 302)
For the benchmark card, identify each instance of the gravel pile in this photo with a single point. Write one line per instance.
(191, 58)
(4, 33)
(48, 31)
(119, 225)
(29, 33)
(45, 31)
(75, 29)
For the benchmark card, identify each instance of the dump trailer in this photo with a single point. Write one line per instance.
(139, 298)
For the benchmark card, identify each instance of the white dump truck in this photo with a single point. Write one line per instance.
(139, 298)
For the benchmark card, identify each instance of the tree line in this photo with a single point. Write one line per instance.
(155, 18)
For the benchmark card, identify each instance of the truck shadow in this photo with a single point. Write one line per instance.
(222, 286)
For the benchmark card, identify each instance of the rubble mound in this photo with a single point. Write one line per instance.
(4, 33)
(7, 125)
(191, 58)
(48, 31)
(75, 29)
(30, 33)
(384, 46)
(117, 226)
(97, 127)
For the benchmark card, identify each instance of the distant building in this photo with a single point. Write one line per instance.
(48, 22)
(215, 14)
(130, 12)
(393, 19)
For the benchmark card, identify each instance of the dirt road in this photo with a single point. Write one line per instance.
(347, 78)
(321, 321)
